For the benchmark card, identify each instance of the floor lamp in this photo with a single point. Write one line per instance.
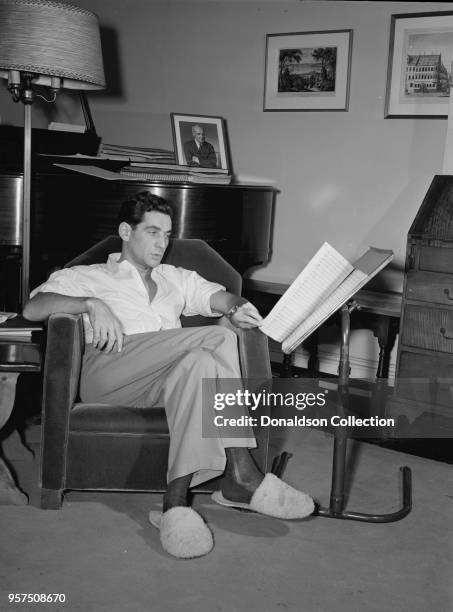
(51, 45)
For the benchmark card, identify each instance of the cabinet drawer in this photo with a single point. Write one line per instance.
(428, 328)
(436, 259)
(430, 287)
(426, 379)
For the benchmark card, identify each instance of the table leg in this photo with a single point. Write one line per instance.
(313, 358)
(287, 365)
(10, 494)
(385, 331)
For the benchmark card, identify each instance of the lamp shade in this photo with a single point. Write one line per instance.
(51, 39)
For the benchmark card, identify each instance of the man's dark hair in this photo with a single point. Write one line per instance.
(133, 210)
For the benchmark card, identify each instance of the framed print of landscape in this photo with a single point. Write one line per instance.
(419, 71)
(308, 71)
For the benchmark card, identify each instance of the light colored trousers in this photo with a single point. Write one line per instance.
(169, 367)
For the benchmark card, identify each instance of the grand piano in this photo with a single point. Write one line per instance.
(72, 211)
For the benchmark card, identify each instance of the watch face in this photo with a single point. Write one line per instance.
(232, 310)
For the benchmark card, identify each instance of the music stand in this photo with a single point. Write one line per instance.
(336, 507)
(337, 502)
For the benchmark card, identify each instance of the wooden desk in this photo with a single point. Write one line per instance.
(382, 313)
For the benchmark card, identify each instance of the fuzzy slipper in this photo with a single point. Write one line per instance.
(183, 533)
(273, 498)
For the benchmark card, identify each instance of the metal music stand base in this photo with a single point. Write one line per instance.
(336, 507)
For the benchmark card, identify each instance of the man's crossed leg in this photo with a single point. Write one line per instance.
(170, 366)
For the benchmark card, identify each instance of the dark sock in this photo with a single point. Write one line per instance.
(177, 493)
(242, 476)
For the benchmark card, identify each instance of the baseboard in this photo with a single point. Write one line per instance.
(361, 367)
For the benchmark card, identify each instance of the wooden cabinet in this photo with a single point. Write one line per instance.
(424, 374)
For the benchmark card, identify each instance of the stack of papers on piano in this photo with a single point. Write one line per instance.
(137, 154)
(158, 175)
(176, 173)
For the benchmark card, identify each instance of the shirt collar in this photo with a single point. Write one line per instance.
(116, 266)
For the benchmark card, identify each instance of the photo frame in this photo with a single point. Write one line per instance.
(419, 65)
(308, 71)
(200, 141)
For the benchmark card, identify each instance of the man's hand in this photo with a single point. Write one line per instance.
(107, 329)
(246, 317)
(195, 159)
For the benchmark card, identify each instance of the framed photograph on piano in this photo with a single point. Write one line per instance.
(201, 141)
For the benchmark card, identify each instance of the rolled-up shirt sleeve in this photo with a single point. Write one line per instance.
(197, 294)
(65, 282)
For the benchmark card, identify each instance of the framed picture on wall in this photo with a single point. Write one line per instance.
(200, 141)
(419, 71)
(308, 71)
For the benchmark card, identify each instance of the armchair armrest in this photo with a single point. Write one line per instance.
(255, 365)
(63, 361)
(253, 351)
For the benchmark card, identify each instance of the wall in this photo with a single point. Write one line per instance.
(351, 178)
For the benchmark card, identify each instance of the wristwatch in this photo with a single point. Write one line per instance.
(232, 311)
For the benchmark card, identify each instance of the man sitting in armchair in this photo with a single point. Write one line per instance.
(136, 353)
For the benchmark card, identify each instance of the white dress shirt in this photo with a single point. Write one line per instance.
(119, 284)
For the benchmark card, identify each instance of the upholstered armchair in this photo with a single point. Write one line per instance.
(109, 447)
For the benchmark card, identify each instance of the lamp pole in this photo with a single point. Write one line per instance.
(20, 87)
(45, 44)
(27, 99)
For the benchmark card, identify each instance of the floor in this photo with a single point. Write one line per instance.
(100, 552)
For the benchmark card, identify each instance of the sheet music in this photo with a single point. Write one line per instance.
(323, 273)
(331, 305)
(366, 267)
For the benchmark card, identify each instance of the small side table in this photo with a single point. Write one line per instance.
(18, 353)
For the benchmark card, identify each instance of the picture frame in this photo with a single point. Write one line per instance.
(212, 143)
(308, 71)
(419, 65)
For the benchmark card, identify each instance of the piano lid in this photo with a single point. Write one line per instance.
(50, 142)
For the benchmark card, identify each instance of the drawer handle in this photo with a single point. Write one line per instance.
(447, 293)
(444, 334)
